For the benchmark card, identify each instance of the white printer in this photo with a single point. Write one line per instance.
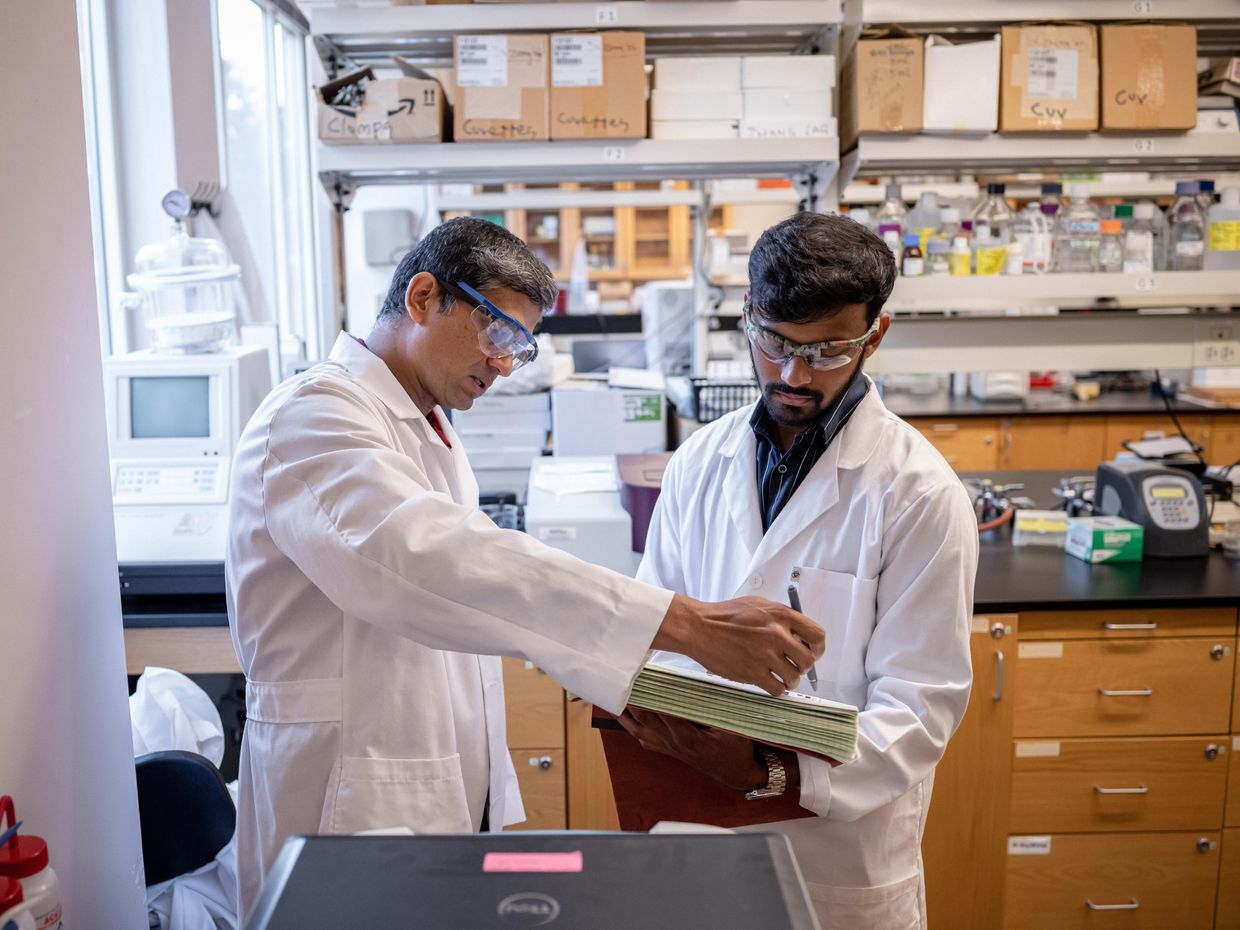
(574, 504)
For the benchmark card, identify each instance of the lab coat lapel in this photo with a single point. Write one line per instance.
(817, 493)
(740, 486)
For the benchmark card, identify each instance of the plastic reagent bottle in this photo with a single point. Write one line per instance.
(1139, 240)
(892, 210)
(913, 262)
(1111, 248)
(1077, 234)
(936, 263)
(992, 230)
(960, 257)
(1186, 243)
(1224, 226)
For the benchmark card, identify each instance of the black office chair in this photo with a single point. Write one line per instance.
(186, 811)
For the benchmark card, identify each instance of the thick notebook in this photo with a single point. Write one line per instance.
(649, 787)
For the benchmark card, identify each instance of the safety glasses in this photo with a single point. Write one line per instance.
(499, 335)
(821, 356)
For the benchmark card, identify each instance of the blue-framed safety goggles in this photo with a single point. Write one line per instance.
(499, 335)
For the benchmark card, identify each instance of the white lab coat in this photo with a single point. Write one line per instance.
(884, 536)
(369, 600)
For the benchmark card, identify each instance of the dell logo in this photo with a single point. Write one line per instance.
(529, 909)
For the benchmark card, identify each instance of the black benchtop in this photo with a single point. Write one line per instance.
(1009, 578)
(1039, 403)
(1012, 578)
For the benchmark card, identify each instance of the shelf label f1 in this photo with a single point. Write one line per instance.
(608, 15)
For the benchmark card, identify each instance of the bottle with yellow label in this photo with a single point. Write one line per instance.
(992, 230)
(960, 258)
(1223, 233)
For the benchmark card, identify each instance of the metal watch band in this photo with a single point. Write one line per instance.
(776, 778)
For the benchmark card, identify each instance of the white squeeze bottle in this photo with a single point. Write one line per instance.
(1223, 232)
(24, 858)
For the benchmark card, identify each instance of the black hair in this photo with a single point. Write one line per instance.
(812, 265)
(475, 251)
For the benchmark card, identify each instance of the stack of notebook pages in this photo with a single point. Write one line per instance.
(794, 721)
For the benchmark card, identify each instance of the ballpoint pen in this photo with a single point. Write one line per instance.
(794, 600)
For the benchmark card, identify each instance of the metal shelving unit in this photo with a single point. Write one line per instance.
(1190, 153)
(371, 35)
(1105, 291)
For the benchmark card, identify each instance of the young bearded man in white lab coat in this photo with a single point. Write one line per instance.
(370, 599)
(819, 482)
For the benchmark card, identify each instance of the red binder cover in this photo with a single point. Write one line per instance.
(649, 787)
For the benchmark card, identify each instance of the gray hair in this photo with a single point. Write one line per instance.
(477, 252)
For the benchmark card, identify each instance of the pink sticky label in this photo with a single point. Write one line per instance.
(532, 862)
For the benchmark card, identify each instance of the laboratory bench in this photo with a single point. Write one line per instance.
(1095, 768)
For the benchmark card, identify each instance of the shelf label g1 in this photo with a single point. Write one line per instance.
(1143, 7)
(1145, 283)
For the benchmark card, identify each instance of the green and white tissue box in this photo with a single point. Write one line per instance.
(1104, 539)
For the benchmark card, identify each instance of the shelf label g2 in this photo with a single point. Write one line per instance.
(1144, 146)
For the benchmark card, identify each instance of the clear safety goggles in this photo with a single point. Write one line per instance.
(499, 335)
(821, 356)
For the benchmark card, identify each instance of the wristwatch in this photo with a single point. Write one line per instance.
(776, 778)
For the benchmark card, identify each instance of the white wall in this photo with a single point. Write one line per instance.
(65, 749)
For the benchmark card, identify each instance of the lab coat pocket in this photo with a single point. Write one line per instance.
(425, 795)
(895, 906)
(844, 605)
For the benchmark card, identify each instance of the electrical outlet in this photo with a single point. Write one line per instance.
(1217, 345)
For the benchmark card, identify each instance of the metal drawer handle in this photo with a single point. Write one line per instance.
(1139, 692)
(945, 427)
(1132, 905)
(1140, 789)
(1130, 626)
(998, 675)
(543, 762)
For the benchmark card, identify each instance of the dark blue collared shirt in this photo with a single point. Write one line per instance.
(781, 473)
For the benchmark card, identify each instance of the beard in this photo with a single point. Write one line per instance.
(804, 415)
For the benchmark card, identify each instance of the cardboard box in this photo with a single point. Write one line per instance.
(694, 129)
(501, 88)
(598, 85)
(720, 74)
(789, 72)
(881, 87)
(1049, 78)
(1149, 77)
(787, 129)
(405, 109)
(1220, 70)
(696, 105)
(961, 91)
(787, 104)
(1104, 539)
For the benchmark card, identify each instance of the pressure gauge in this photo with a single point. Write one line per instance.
(176, 203)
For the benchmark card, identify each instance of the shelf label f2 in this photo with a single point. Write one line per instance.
(613, 153)
(608, 15)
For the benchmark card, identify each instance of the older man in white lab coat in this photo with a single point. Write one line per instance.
(820, 484)
(369, 598)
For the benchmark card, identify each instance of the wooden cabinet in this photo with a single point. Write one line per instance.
(1051, 442)
(535, 717)
(1224, 446)
(1135, 624)
(1108, 785)
(1227, 913)
(1124, 687)
(966, 832)
(1231, 815)
(967, 444)
(1132, 880)
(591, 805)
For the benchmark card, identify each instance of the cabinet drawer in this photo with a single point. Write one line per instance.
(540, 773)
(1080, 786)
(1151, 623)
(1231, 818)
(1069, 442)
(535, 706)
(1227, 917)
(968, 445)
(1123, 687)
(1160, 880)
